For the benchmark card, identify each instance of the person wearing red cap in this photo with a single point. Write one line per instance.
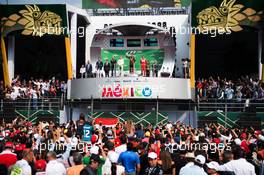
(93, 139)
(7, 157)
(244, 143)
(40, 166)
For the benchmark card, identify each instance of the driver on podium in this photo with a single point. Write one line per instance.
(132, 61)
(143, 63)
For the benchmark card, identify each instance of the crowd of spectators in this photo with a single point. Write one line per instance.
(32, 88)
(128, 149)
(245, 87)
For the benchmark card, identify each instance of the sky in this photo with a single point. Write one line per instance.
(77, 3)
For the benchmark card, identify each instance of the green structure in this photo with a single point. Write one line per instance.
(151, 55)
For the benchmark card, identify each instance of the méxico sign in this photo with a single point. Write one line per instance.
(126, 91)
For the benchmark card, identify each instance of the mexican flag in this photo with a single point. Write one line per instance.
(108, 122)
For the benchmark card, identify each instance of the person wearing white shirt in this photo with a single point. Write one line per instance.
(82, 71)
(13, 95)
(54, 167)
(122, 147)
(196, 169)
(22, 165)
(190, 158)
(120, 64)
(240, 166)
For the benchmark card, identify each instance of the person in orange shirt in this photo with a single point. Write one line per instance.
(77, 168)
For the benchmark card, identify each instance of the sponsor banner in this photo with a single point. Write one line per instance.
(227, 15)
(151, 55)
(130, 87)
(33, 20)
(95, 4)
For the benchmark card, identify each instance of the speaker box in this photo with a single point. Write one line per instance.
(206, 120)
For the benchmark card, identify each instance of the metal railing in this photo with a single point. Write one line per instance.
(138, 11)
(32, 104)
(244, 105)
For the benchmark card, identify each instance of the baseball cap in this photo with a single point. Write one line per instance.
(40, 165)
(200, 159)
(9, 145)
(243, 135)
(18, 147)
(93, 138)
(147, 134)
(261, 137)
(152, 155)
(237, 141)
(212, 165)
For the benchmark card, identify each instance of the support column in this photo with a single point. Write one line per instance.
(4, 63)
(192, 55)
(11, 57)
(260, 51)
(87, 44)
(74, 43)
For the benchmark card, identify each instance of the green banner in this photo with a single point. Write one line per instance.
(96, 4)
(33, 20)
(151, 55)
(227, 15)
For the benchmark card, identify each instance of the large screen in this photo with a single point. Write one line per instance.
(133, 42)
(151, 55)
(93, 4)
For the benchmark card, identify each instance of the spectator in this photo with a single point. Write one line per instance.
(99, 67)
(82, 71)
(239, 165)
(123, 146)
(7, 157)
(166, 163)
(54, 166)
(143, 157)
(77, 168)
(89, 69)
(153, 168)
(130, 160)
(23, 166)
(197, 168)
(91, 169)
(106, 68)
(40, 167)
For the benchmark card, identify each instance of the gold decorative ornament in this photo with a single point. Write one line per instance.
(227, 17)
(33, 22)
